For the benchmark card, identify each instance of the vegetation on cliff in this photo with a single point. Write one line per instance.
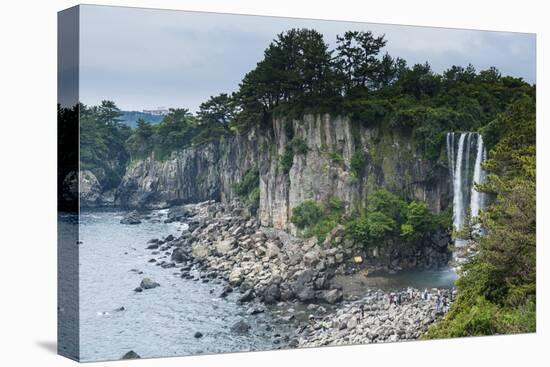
(388, 220)
(102, 143)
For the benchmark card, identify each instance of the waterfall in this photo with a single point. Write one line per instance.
(458, 202)
(460, 156)
(477, 197)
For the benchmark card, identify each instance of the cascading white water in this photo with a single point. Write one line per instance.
(458, 203)
(477, 197)
(465, 196)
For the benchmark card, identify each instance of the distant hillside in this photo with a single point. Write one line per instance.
(130, 117)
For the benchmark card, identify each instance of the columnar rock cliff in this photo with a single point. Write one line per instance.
(321, 169)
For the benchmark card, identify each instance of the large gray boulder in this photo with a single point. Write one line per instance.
(147, 283)
(131, 218)
(240, 327)
(90, 189)
(131, 355)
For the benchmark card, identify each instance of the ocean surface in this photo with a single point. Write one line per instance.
(160, 321)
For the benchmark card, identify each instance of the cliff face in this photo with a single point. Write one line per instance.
(320, 170)
(325, 170)
(190, 175)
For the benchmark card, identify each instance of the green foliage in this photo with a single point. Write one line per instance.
(287, 159)
(390, 219)
(248, 189)
(318, 219)
(177, 130)
(299, 146)
(357, 164)
(249, 182)
(102, 148)
(306, 214)
(497, 289)
(218, 109)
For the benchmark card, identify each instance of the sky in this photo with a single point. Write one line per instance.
(149, 58)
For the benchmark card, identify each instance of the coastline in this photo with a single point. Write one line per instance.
(294, 278)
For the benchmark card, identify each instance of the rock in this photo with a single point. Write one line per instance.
(177, 213)
(224, 246)
(169, 238)
(255, 310)
(89, 189)
(236, 277)
(247, 296)
(352, 323)
(306, 294)
(147, 283)
(338, 231)
(131, 218)
(312, 258)
(272, 250)
(179, 255)
(240, 327)
(138, 289)
(153, 246)
(226, 291)
(200, 251)
(198, 335)
(272, 294)
(331, 296)
(131, 355)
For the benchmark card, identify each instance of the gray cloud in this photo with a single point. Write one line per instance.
(144, 58)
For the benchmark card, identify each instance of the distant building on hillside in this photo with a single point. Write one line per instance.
(160, 111)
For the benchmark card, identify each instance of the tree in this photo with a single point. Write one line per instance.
(420, 81)
(296, 68)
(218, 109)
(356, 58)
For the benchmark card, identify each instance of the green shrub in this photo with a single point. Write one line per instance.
(306, 214)
(249, 189)
(287, 159)
(299, 146)
(357, 164)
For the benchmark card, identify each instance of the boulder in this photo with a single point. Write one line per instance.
(331, 296)
(272, 250)
(177, 213)
(312, 257)
(198, 335)
(200, 251)
(147, 283)
(224, 246)
(247, 296)
(89, 189)
(240, 327)
(131, 355)
(236, 277)
(131, 218)
(306, 294)
(272, 294)
(179, 255)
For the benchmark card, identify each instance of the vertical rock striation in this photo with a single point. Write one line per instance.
(321, 169)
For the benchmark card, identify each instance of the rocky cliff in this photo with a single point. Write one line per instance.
(321, 168)
(194, 174)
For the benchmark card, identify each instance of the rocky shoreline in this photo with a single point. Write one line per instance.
(269, 268)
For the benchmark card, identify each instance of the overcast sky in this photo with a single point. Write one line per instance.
(146, 58)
